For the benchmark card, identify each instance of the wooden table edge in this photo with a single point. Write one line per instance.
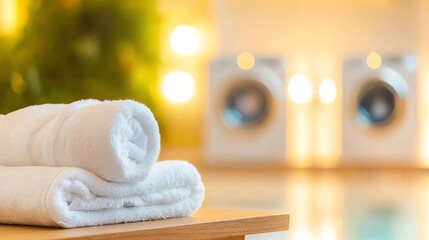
(186, 228)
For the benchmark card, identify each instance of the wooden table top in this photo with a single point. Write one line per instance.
(204, 224)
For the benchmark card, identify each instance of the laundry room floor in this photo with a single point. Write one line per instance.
(329, 204)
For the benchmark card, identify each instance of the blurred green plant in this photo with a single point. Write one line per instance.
(76, 49)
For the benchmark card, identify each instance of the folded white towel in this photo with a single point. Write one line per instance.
(117, 140)
(72, 197)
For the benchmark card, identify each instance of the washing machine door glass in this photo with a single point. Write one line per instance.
(377, 104)
(247, 104)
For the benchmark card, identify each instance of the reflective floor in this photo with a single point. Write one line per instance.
(331, 204)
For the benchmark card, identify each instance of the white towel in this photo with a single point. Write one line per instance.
(117, 140)
(72, 197)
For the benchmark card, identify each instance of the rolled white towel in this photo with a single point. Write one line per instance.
(116, 140)
(72, 197)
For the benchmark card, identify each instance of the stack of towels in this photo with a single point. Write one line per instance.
(90, 163)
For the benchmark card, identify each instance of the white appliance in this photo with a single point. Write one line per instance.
(379, 111)
(245, 121)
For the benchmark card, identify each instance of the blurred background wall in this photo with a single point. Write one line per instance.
(61, 51)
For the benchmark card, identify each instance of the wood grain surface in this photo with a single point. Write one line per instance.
(204, 224)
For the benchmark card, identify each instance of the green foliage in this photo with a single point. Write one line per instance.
(76, 49)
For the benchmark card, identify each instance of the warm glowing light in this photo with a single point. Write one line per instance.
(373, 60)
(18, 84)
(300, 89)
(328, 233)
(302, 233)
(245, 60)
(425, 119)
(327, 91)
(185, 40)
(178, 87)
(8, 16)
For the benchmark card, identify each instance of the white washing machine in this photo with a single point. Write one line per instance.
(379, 111)
(245, 121)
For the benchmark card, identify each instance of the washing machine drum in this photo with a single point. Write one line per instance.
(247, 104)
(377, 103)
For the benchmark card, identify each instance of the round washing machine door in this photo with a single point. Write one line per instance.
(377, 103)
(381, 101)
(247, 104)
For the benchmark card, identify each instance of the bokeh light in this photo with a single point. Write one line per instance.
(8, 16)
(18, 84)
(373, 60)
(327, 91)
(300, 89)
(185, 40)
(245, 60)
(178, 87)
